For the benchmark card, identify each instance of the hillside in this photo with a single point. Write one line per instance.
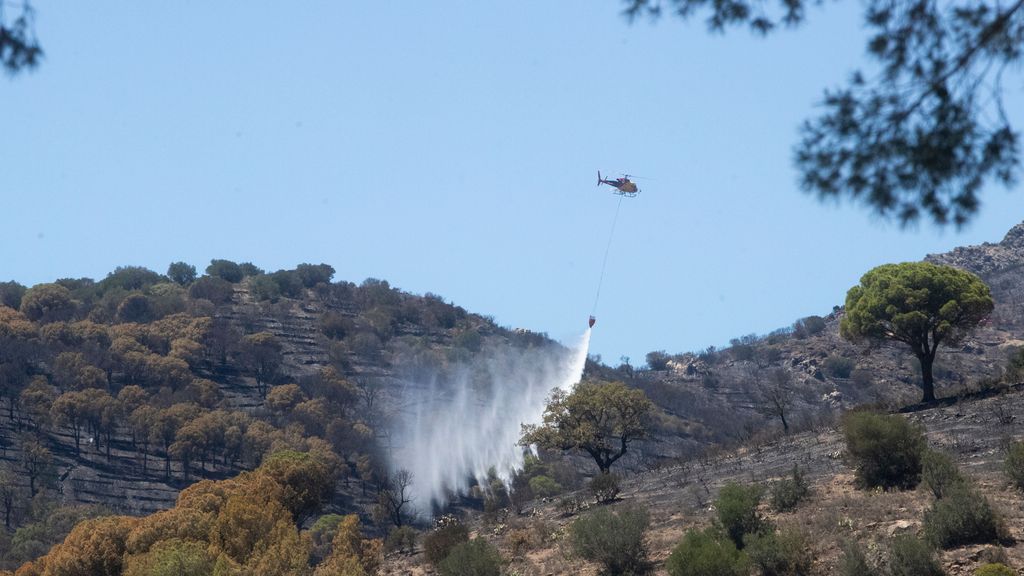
(973, 431)
(117, 394)
(726, 395)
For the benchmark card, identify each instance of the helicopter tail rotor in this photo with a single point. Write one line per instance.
(598, 177)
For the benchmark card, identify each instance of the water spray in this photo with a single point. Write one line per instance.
(470, 426)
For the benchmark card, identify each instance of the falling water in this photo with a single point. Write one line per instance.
(462, 428)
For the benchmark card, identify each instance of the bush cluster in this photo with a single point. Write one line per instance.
(853, 562)
(963, 516)
(737, 511)
(780, 553)
(1014, 464)
(448, 533)
(474, 558)
(939, 473)
(402, 539)
(839, 366)
(788, 492)
(809, 326)
(570, 505)
(995, 570)
(885, 449)
(910, 556)
(605, 487)
(707, 553)
(613, 539)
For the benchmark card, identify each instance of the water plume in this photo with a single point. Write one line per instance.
(460, 427)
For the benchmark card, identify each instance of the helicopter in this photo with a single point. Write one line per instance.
(623, 186)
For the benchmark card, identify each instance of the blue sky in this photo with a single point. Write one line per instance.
(450, 147)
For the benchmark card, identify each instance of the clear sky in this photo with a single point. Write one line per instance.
(450, 147)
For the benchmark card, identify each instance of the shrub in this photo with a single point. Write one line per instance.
(885, 449)
(402, 538)
(1015, 367)
(474, 558)
(212, 288)
(520, 540)
(448, 533)
(544, 487)
(263, 288)
(335, 325)
(782, 553)
(939, 473)
(615, 540)
(1014, 464)
(909, 556)
(788, 492)
(570, 505)
(657, 360)
(808, 326)
(605, 487)
(839, 367)
(707, 553)
(994, 570)
(225, 270)
(853, 562)
(737, 511)
(963, 516)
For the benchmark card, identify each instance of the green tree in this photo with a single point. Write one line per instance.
(181, 273)
(225, 270)
(130, 278)
(736, 506)
(474, 558)
(19, 49)
(173, 557)
(923, 135)
(47, 303)
(312, 274)
(599, 418)
(920, 304)
(707, 553)
(11, 293)
(212, 288)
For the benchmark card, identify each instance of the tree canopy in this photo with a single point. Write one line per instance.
(923, 135)
(19, 49)
(599, 418)
(920, 304)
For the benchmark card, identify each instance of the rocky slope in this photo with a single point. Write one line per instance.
(728, 395)
(974, 431)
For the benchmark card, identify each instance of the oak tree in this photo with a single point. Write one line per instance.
(599, 418)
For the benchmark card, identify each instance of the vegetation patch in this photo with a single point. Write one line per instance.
(613, 539)
(707, 552)
(885, 449)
